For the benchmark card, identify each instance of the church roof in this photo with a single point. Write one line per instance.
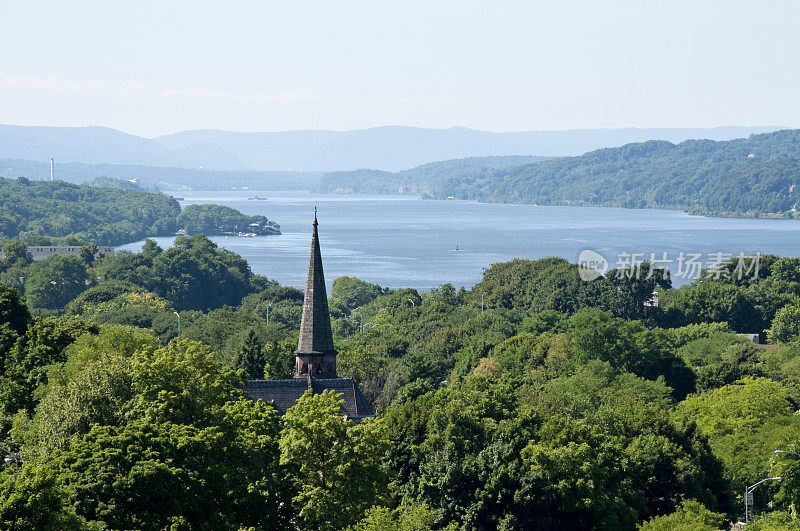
(315, 325)
(283, 394)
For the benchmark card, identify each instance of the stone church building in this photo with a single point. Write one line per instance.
(315, 357)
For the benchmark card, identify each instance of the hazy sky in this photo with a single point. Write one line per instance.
(153, 67)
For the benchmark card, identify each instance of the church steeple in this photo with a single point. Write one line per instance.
(315, 356)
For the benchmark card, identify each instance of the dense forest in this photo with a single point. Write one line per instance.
(45, 212)
(753, 176)
(422, 179)
(533, 400)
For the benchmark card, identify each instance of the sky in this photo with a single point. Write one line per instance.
(156, 67)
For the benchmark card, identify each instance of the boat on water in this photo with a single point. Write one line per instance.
(257, 198)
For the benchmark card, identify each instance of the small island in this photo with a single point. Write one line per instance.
(214, 220)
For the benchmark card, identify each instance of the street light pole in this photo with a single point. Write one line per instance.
(749, 490)
(776, 452)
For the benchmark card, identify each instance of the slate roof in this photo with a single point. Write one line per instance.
(284, 393)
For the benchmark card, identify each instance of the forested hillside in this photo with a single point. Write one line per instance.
(44, 212)
(755, 176)
(420, 180)
(533, 400)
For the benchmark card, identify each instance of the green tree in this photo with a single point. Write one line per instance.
(744, 422)
(786, 325)
(15, 253)
(182, 383)
(54, 282)
(147, 475)
(250, 356)
(28, 363)
(32, 500)
(690, 516)
(334, 465)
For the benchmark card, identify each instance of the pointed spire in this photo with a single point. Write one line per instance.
(315, 347)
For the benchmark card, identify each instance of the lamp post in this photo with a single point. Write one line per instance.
(179, 323)
(748, 492)
(776, 452)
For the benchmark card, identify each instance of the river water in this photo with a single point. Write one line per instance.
(404, 241)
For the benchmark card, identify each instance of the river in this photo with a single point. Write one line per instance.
(404, 241)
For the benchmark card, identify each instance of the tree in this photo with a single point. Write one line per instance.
(15, 253)
(786, 325)
(32, 500)
(182, 383)
(88, 253)
(690, 516)
(333, 464)
(28, 363)
(250, 356)
(54, 282)
(351, 292)
(13, 310)
(404, 518)
(744, 422)
(147, 475)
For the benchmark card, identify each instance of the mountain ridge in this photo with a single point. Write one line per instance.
(388, 148)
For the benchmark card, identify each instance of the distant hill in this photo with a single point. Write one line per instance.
(396, 148)
(420, 180)
(755, 176)
(105, 145)
(152, 177)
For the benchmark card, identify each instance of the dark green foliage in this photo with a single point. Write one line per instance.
(41, 211)
(13, 311)
(701, 176)
(107, 216)
(690, 516)
(27, 364)
(100, 293)
(152, 476)
(250, 357)
(194, 274)
(423, 179)
(54, 282)
(33, 500)
(559, 404)
(712, 302)
(349, 293)
(218, 219)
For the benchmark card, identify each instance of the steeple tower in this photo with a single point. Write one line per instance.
(315, 356)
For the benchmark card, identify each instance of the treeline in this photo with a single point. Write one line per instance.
(533, 400)
(164, 178)
(44, 213)
(422, 179)
(755, 176)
